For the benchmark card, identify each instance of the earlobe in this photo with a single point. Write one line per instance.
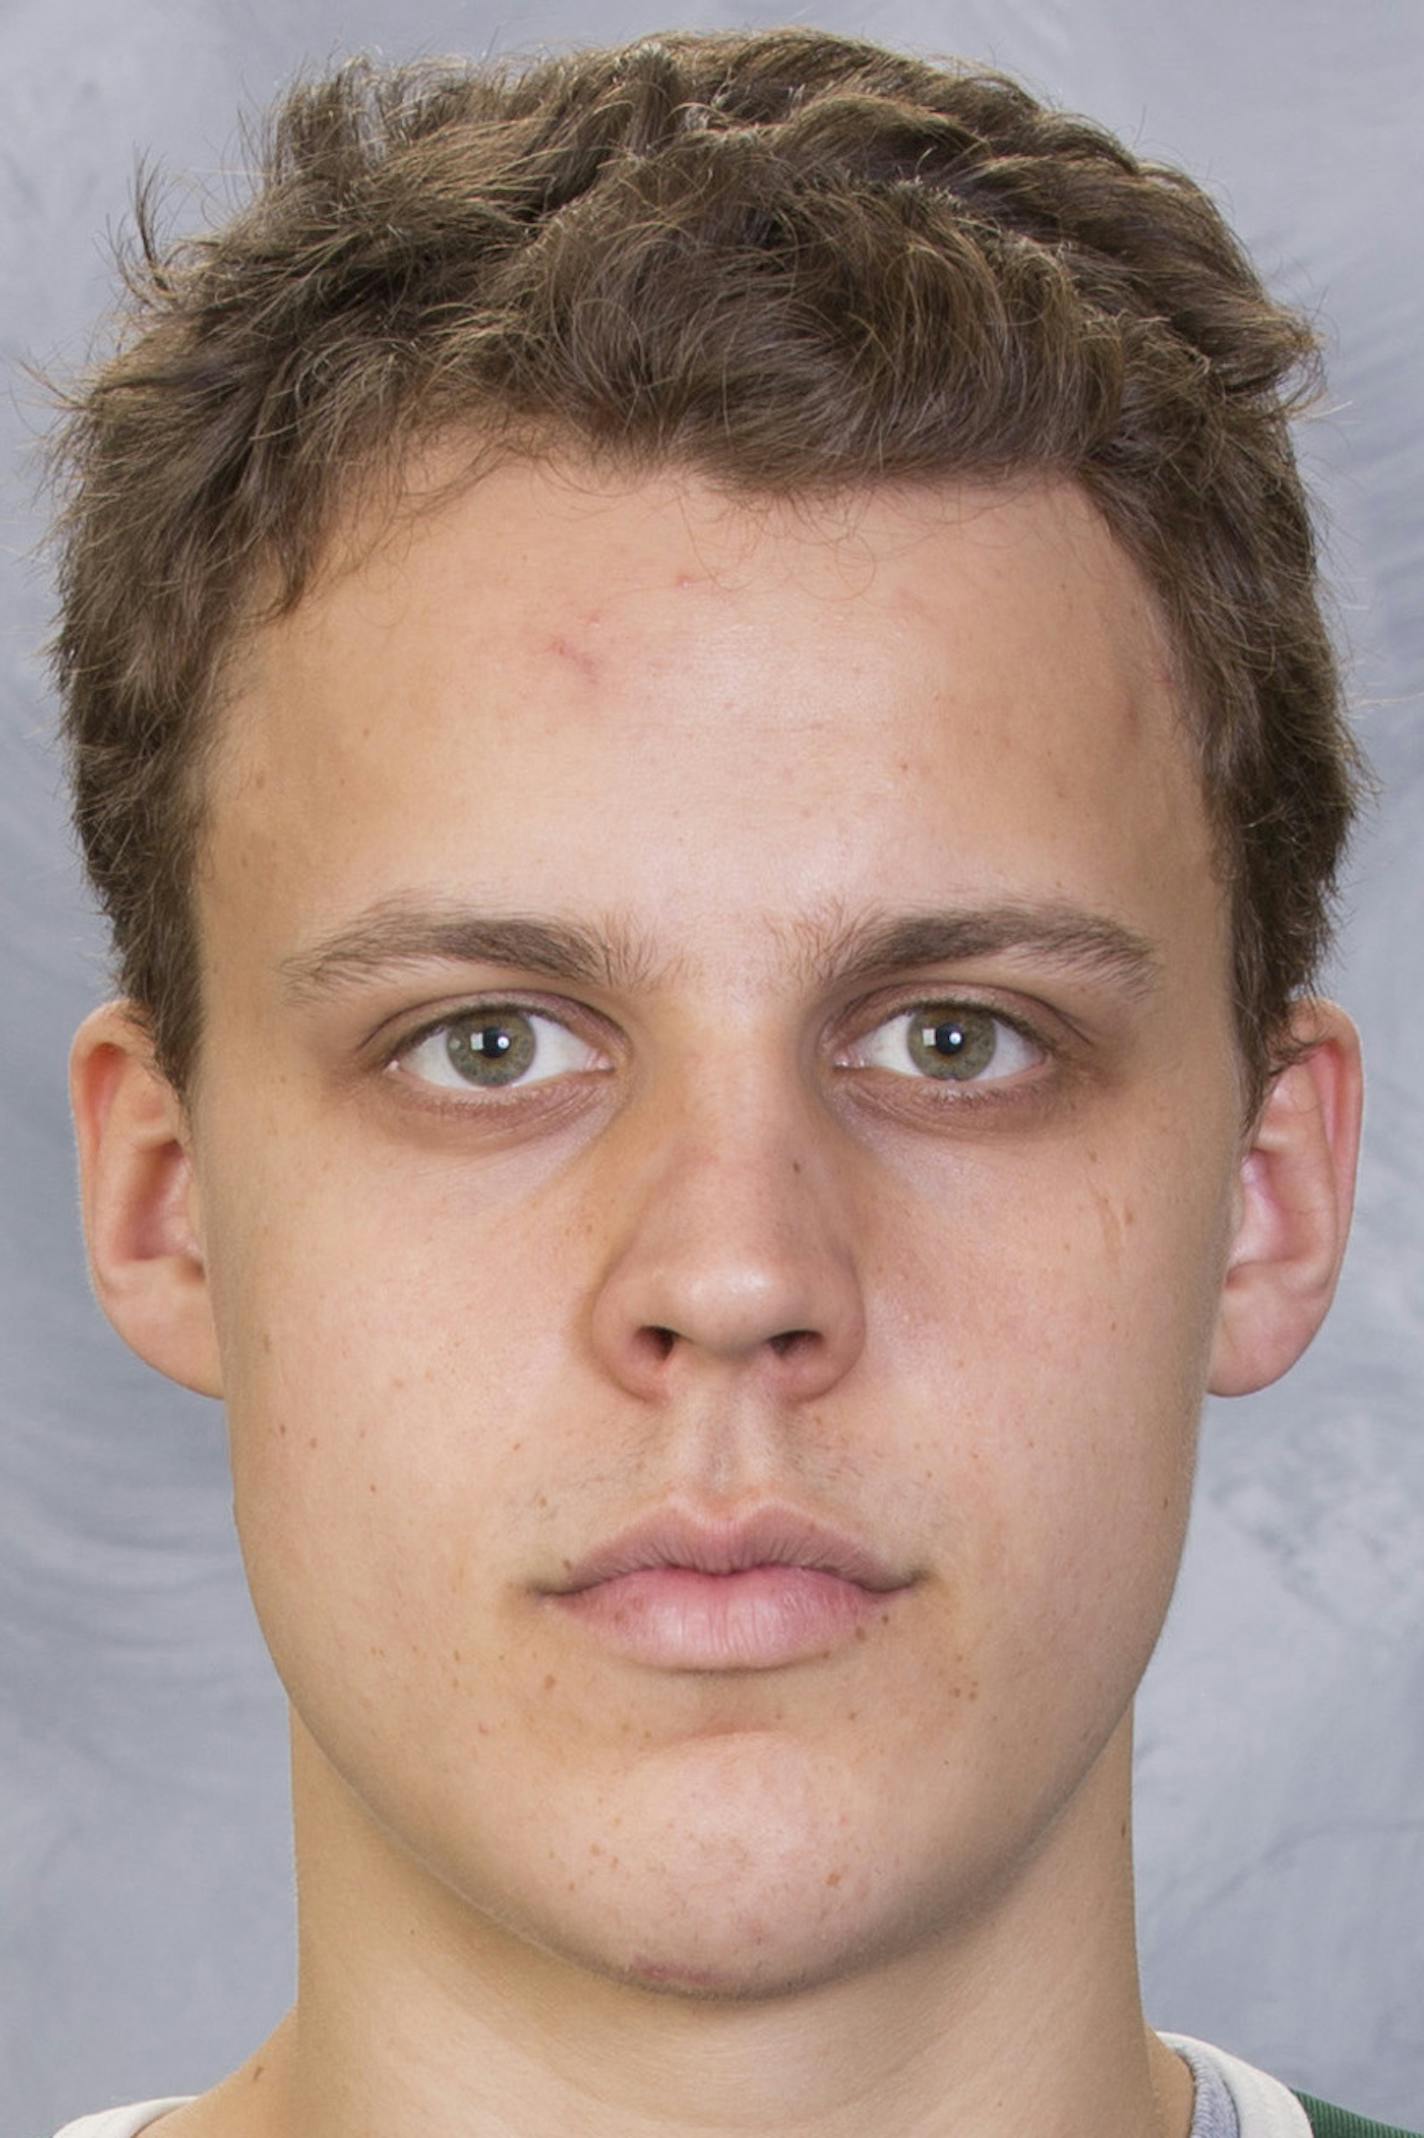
(1295, 1195)
(141, 1219)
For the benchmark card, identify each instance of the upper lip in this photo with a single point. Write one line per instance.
(766, 1536)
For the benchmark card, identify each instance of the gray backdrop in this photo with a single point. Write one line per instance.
(146, 1939)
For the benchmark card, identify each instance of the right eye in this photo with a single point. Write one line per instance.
(492, 1046)
(954, 1042)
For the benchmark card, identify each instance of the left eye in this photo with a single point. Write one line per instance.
(487, 1048)
(953, 1042)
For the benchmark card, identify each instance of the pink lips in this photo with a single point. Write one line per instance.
(771, 1589)
(755, 1620)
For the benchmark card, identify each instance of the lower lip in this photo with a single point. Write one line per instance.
(754, 1620)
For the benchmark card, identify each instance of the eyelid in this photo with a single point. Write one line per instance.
(481, 1005)
(392, 1055)
(1030, 1029)
(958, 1091)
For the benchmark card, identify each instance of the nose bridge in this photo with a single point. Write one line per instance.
(732, 1235)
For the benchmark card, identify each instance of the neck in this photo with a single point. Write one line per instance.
(420, 2014)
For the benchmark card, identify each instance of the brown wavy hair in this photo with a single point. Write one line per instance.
(796, 263)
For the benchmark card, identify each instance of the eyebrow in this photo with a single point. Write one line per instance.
(827, 949)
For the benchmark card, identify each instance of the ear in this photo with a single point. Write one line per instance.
(1294, 1196)
(140, 1201)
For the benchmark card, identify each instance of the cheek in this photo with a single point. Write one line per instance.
(1101, 1341)
(382, 1356)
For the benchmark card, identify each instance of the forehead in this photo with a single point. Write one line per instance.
(643, 696)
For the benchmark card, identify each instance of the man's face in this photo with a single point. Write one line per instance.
(475, 1317)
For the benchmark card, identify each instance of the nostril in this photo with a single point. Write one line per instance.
(783, 1343)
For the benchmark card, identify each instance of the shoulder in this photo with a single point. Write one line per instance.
(1266, 2108)
(123, 2122)
(1329, 2122)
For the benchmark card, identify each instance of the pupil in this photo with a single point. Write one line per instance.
(948, 1037)
(499, 1042)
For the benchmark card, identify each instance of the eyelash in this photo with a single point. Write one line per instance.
(948, 1092)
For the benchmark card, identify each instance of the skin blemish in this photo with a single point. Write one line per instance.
(312, 1442)
(833, 1878)
(549, 1683)
(582, 662)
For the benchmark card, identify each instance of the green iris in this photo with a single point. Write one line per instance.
(958, 1045)
(490, 1047)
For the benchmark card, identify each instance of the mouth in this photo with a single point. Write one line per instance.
(771, 1535)
(762, 1618)
(775, 1587)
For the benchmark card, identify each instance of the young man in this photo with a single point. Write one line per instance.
(696, 693)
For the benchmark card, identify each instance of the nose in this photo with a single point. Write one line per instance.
(731, 1250)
